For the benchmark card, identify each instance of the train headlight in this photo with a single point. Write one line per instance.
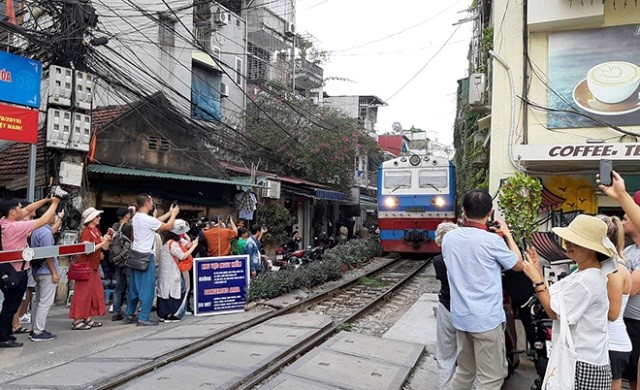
(438, 201)
(414, 160)
(391, 202)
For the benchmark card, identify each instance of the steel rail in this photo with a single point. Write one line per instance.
(305, 346)
(187, 350)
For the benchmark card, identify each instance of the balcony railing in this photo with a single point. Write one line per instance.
(308, 74)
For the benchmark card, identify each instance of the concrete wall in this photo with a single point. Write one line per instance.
(508, 44)
(348, 105)
(136, 39)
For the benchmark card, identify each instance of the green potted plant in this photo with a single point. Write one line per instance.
(519, 200)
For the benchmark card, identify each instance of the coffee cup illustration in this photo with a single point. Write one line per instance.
(613, 81)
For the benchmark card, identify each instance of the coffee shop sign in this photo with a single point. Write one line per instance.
(577, 152)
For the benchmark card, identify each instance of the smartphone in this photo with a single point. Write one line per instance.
(606, 167)
(111, 232)
(174, 203)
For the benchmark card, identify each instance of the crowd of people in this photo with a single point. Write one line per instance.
(149, 258)
(597, 304)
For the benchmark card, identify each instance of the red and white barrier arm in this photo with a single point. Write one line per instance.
(28, 254)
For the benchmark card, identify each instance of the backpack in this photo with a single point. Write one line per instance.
(119, 248)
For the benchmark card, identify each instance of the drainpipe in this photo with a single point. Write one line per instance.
(525, 74)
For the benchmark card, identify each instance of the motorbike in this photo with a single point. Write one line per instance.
(543, 331)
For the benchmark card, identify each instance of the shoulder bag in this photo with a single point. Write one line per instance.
(79, 271)
(561, 369)
(185, 264)
(137, 260)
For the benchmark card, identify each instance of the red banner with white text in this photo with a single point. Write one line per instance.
(18, 124)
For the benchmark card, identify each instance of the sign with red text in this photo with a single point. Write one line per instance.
(18, 124)
(626, 151)
(220, 284)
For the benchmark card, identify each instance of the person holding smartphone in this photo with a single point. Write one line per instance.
(219, 238)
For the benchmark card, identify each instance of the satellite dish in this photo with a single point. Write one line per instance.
(396, 126)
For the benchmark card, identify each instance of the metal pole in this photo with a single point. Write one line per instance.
(31, 176)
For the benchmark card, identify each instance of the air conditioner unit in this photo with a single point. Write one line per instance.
(289, 29)
(221, 17)
(224, 89)
(272, 190)
(477, 89)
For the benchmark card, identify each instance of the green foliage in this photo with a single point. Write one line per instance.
(471, 162)
(275, 217)
(354, 252)
(273, 284)
(370, 282)
(519, 199)
(315, 143)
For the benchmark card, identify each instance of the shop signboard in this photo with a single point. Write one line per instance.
(578, 152)
(20, 80)
(220, 284)
(18, 124)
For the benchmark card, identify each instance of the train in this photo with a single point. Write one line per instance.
(415, 194)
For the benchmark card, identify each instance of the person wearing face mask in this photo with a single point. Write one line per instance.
(175, 261)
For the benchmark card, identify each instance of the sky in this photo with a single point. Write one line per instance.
(378, 46)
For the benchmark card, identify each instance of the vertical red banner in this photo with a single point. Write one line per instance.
(18, 124)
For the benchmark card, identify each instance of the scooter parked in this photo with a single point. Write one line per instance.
(510, 336)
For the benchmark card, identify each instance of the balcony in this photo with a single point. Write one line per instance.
(266, 30)
(308, 74)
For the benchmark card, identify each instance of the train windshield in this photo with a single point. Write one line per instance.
(433, 178)
(397, 179)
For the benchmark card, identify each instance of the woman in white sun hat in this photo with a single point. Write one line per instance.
(584, 297)
(173, 276)
(88, 295)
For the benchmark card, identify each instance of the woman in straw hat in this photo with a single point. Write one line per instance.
(584, 295)
(173, 276)
(88, 295)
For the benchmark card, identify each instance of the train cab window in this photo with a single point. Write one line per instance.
(397, 179)
(433, 178)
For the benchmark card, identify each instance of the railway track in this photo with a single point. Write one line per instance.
(344, 303)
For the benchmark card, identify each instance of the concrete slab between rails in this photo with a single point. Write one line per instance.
(231, 360)
(390, 351)
(181, 376)
(144, 349)
(288, 382)
(418, 324)
(230, 318)
(304, 320)
(189, 331)
(74, 374)
(364, 366)
(274, 334)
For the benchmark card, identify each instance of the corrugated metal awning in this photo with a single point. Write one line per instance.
(111, 170)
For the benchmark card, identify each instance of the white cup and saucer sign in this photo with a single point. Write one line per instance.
(610, 88)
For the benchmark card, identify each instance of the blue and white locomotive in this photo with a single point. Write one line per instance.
(415, 194)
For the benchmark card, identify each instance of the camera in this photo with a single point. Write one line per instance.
(59, 193)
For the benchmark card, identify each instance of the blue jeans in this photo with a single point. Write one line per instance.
(142, 289)
(123, 280)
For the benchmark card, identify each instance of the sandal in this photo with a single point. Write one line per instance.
(21, 330)
(93, 324)
(80, 326)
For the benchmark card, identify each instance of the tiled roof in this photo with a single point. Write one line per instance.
(14, 163)
(102, 116)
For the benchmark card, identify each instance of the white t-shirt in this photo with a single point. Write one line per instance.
(587, 305)
(632, 255)
(144, 232)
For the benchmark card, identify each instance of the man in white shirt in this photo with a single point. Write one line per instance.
(143, 283)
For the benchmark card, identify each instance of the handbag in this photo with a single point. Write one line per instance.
(561, 368)
(8, 277)
(79, 271)
(137, 260)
